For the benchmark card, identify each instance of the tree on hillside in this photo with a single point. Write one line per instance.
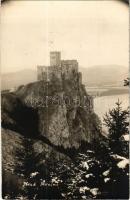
(38, 183)
(127, 82)
(26, 164)
(116, 120)
(26, 157)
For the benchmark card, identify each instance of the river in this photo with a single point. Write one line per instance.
(104, 103)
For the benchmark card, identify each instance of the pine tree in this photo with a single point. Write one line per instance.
(25, 158)
(116, 120)
(27, 165)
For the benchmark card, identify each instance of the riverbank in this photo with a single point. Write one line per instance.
(106, 91)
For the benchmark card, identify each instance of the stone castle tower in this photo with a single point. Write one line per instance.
(55, 58)
(59, 69)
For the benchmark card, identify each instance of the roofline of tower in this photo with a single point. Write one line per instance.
(55, 52)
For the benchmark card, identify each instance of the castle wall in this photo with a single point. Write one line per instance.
(69, 68)
(54, 73)
(42, 72)
(49, 73)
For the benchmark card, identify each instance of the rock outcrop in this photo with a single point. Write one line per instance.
(64, 116)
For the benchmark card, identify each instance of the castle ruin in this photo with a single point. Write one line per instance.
(59, 69)
(63, 73)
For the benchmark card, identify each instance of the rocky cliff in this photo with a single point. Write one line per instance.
(61, 117)
(65, 114)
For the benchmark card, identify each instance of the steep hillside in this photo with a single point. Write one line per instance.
(13, 142)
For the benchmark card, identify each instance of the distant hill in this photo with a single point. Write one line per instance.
(15, 79)
(112, 75)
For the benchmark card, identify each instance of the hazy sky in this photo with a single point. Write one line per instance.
(93, 32)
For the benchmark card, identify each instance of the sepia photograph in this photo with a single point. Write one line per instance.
(64, 99)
